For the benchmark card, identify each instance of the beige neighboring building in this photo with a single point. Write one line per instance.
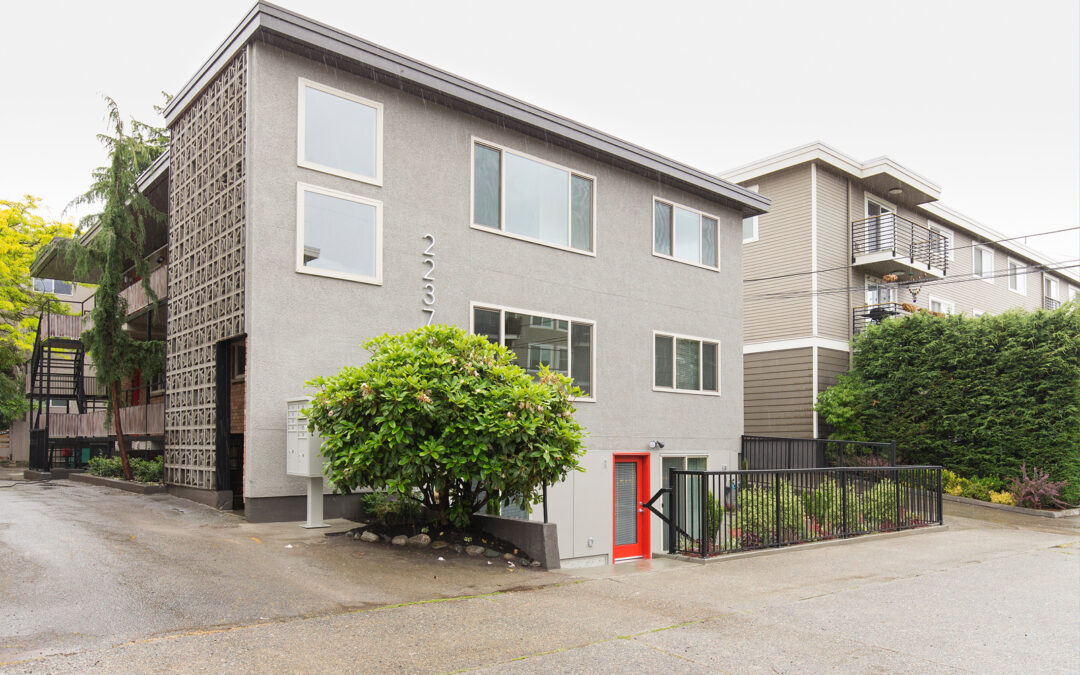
(856, 224)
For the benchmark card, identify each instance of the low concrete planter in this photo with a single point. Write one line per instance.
(1042, 513)
(130, 486)
(802, 547)
(538, 540)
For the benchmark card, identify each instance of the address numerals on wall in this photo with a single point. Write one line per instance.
(428, 298)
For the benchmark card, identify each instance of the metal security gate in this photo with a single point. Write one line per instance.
(716, 512)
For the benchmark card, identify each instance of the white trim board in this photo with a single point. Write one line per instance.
(796, 343)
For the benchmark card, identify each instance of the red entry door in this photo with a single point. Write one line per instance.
(631, 522)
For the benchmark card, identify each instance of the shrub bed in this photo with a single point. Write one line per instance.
(142, 470)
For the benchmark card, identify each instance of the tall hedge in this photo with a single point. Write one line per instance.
(977, 395)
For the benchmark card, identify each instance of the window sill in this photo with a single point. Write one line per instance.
(667, 390)
(540, 242)
(343, 276)
(359, 178)
(686, 262)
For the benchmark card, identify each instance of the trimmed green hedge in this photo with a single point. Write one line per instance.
(977, 395)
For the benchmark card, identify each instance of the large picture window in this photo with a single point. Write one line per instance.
(54, 286)
(339, 133)
(338, 235)
(562, 344)
(528, 198)
(685, 364)
(684, 234)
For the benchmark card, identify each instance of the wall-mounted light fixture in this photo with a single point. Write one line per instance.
(896, 192)
(653, 445)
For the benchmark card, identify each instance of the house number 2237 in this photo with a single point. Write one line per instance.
(429, 280)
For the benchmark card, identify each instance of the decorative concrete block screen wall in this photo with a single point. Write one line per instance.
(206, 269)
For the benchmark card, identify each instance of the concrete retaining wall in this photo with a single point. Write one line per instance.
(140, 488)
(538, 540)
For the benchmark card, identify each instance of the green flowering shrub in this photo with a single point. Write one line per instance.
(445, 418)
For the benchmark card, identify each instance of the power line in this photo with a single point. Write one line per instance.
(1000, 273)
(954, 248)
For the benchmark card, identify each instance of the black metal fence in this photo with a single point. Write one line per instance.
(774, 452)
(717, 512)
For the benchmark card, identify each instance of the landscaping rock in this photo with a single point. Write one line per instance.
(385, 537)
(420, 540)
(399, 540)
(508, 556)
(356, 535)
(474, 550)
(459, 548)
(491, 553)
(369, 537)
(535, 563)
(438, 544)
(524, 562)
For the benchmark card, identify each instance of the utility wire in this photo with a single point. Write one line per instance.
(1068, 264)
(954, 248)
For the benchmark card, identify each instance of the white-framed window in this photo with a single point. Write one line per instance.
(529, 198)
(1050, 287)
(54, 286)
(942, 306)
(1074, 293)
(976, 313)
(944, 245)
(685, 234)
(878, 292)
(339, 133)
(685, 364)
(1017, 276)
(338, 235)
(563, 344)
(750, 232)
(982, 263)
(690, 507)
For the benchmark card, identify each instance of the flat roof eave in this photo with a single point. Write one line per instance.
(285, 28)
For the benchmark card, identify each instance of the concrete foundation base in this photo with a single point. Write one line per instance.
(279, 509)
(219, 499)
(34, 474)
(139, 488)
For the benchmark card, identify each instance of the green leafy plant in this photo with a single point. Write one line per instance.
(980, 396)
(148, 471)
(756, 522)
(390, 510)
(107, 467)
(445, 418)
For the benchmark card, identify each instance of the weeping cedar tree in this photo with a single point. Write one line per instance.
(445, 418)
(980, 396)
(117, 245)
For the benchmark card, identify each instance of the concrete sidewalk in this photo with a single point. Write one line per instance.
(982, 596)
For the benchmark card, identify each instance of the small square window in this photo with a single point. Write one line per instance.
(685, 364)
(339, 133)
(685, 234)
(338, 235)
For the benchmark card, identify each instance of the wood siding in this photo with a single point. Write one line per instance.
(783, 247)
(834, 251)
(777, 392)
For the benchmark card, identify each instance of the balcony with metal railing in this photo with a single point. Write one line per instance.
(868, 315)
(888, 243)
(1050, 303)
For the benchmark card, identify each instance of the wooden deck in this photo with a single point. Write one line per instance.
(138, 420)
(135, 294)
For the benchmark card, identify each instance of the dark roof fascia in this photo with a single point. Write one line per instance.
(157, 170)
(281, 27)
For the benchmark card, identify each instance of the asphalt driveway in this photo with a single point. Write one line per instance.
(93, 579)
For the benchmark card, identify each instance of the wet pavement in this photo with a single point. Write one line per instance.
(96, 580)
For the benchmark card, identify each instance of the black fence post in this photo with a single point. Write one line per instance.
(776, 479)
(940, 514)
(704, 514)
(843, 504)
(674, 497)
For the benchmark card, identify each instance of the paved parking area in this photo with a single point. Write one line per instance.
(989, 594)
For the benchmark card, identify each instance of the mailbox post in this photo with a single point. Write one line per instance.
(303, 457)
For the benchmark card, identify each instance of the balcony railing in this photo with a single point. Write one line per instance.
(1051, 303)
(861, 317)
(136, 296)
(901, 239)
(137, 420)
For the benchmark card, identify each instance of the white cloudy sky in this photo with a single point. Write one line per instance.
(982, 97)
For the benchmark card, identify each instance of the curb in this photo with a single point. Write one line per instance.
(138, 488)
(1064, 513)
(802, 547)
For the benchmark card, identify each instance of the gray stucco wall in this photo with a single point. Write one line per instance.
(300, 326)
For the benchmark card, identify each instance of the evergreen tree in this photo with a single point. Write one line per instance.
(116, 246)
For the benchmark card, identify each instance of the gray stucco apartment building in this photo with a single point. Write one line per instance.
(323, 190)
